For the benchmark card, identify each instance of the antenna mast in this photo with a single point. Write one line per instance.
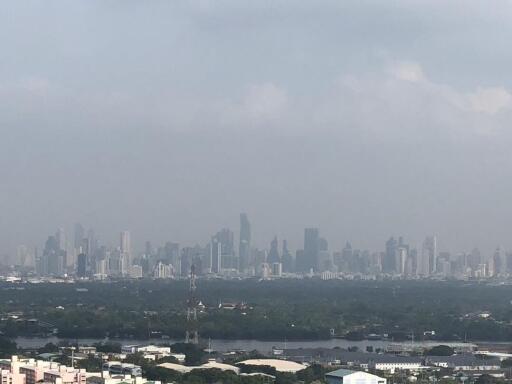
(192, 334)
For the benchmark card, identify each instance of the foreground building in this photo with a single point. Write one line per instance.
(346, 376)
(31, 371)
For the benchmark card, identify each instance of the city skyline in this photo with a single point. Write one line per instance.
(85, 256)
(337, 243)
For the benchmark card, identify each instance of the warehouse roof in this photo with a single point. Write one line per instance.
(340, 373)
(279, 365)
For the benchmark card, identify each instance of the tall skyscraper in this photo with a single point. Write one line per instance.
(244, 248)
(61, 239)
(288, 262)
(273, 255)
(429, 256)
(79, 237)
(81, 268)
(52, 261)
(23, 256)
(311, 248)
(125, 250)
(222, 251)
(125, 243)
(428, 264)
(389, 262)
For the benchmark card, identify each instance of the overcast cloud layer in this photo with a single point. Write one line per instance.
(168, 118)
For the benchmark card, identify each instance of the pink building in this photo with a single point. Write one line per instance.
(31, 371)
(7, 377)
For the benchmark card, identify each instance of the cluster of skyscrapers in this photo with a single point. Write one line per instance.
(84, 257)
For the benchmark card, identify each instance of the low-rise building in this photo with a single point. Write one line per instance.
(278, 365)
(107, 378)
(211, 364)
(65, 375)
(152, 352)
(31, 371)
(118, 368)
(8, 377)
(463, 363)
(391, 364)
(347, 376)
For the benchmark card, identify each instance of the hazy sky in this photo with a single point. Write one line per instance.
(168, 118)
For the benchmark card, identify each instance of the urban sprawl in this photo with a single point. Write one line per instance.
(84, 257)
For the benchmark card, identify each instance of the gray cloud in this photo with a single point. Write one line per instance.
(169, 118)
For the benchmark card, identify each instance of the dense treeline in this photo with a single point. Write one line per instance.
(295, 309)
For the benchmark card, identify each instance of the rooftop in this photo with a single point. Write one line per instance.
(279, 365)
(340, 373)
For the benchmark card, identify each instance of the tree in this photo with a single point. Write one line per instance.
(194, 355)
(440, 350)
(507, 363)
(486, 379)
(108, 347)
(7, 347)
(48, 348)
(91, 364)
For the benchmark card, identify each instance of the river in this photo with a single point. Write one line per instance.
(230, 345)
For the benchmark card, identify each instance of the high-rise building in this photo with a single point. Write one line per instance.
(389, 262)
(79, 237)
(429, 256)
(474, 259)
(288, 262)
(244, 248)
(23, 256)
(499, 262)
(273, 254)
(311, 249)
(81, 265)
(170, 255)
(125, 243)
(61, 238)
(125, 259)
(401, 259)
(222, 251)
(52, 261)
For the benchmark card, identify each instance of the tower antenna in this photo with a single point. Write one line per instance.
(192, 333)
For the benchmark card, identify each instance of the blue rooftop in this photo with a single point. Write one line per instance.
(340, 373)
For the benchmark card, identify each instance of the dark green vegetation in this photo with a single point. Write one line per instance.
(440, 350)
(7, 348)
(295, 309)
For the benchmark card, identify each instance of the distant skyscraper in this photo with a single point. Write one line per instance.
(125, 242)
(125, 256)
(23, 257)
(311, 249)
(288, 262)
(61, 239)
(52, 260)
(389, 262)
(345, 260)
(81, 268)
(273, 255)
(429, 256)
(499, 262)
(244, 249)
(79, 237)
(222, 251)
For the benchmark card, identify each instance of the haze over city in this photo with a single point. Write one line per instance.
(255, 192)
(365, 119)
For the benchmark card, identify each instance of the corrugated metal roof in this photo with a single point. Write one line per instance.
(340, 373)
